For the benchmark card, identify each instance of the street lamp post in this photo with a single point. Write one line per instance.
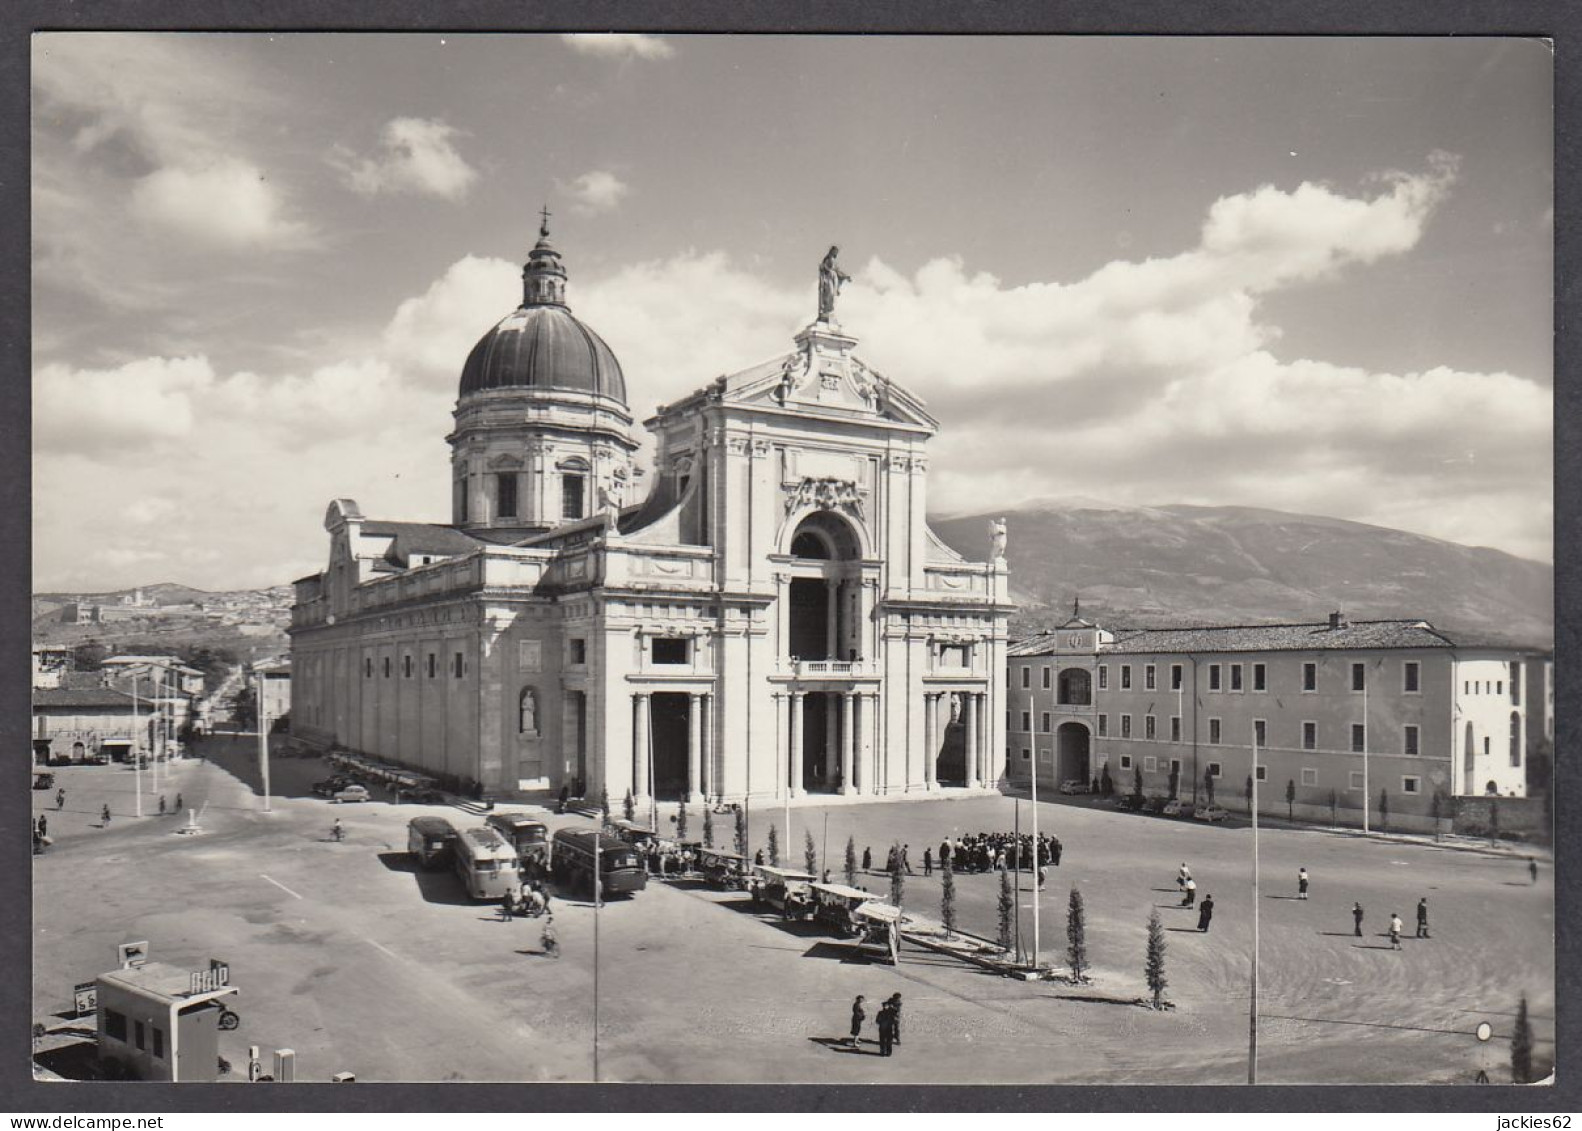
(263, 740)
(1252, 1008)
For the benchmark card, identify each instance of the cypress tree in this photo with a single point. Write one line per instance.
(1384, 810)
(1435, 808)
(947, 899)
(1155, 967)
(897, 876)
(809, 852)
(774, 846)
(741, 832)
(1106, 784)
(1007, 911)
(851, 861)
(1175, 782)
(1137, 782)
(604, 803)
(708, 827)
(681, 821)
(1334, 808)
(1076, 937)
(1522, 1047)
(1290, 799)
(629, 806)
(1208, 785)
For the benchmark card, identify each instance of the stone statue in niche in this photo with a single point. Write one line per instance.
(527, 712)
(997, 539)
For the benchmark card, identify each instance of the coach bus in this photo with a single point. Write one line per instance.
(429, 839)
(529, 837)
(486, 864)
(620, 868)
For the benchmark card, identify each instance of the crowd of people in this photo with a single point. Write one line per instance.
(997, 852)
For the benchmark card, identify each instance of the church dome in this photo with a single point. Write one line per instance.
(540, 345)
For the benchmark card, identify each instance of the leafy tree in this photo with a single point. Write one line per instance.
(1007, 909)
(244, 708)
(1290, 799)
(629, 806)
(681, 820)
(947, 899)
(1208, 784)
(1334, 807)
(708, 827)
(1137, 782)
(1522, 1047)
(774, 846)
(1175, 782)
(1384, 810)
(89, 656)
(851, 861)
(1154, 968)
(604, 804)
(809, 852)
(741, 832)
(1076, 937)
(897, 876)
(1106, 783)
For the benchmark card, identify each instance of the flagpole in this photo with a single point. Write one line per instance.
(1034, 722)
(137, 761)
(1252, 1009)
(1365, 798)
(263, 739)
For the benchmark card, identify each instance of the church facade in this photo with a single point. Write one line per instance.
(773, 619)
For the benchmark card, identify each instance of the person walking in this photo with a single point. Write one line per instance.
(1042, 875)
(758, 858)
(1189, 893)
(1532, 868)
(161, 804)
(1301, 883)
(944, 854)
(895, 1016)
(507, 906)
(886, 1022)
(565, 795)
(1422, 918)
(906, 860)
(60, 800)
(1356, 918)
(1055, 849)
(858, 1016)
(928, 861)
(1205, 913)
(43, 826)
(1183, 876)
(104, 815)
(1396, 927)
(867, 864)
(179, 805)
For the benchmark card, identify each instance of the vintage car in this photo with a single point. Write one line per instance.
(721, 869)
(634, 833)
(835, 905)
(1209, 813)
(1128, 802)
(784, 889)
(329, 787)
(1075, 785)
(879, 931)
(44, 781)
(350, 793)
(1171, 808)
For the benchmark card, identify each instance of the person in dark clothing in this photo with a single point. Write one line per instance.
(1532, 868)
(928, 861)
(867, 859)
(1056, 848)
(60, 799)
(1205, 913)
(104, 815)
(1301, 883)
(179, 805)
(1422, 918)
(758, 858)
(43, 826)
(1356, 918)
(895, 1015)
(944, 854)
(161, 804)
(858, 1016)
(906, 861)
(565, 795)
(886, 1029)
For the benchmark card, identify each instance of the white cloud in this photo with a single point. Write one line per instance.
(619, 45)
(415, 155)
(595, 192)
(111, 411)
(226, 202)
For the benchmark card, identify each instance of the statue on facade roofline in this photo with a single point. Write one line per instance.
(830, 278)
(997, 539)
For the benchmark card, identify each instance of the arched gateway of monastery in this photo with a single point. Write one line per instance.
(772, 615)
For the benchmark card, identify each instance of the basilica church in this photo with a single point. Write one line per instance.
(770, 617)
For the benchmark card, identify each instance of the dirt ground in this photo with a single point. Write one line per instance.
(346, 954)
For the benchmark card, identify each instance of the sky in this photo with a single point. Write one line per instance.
(1306, 274)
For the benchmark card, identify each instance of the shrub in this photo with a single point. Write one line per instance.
(741, 832)
(897, 876)
(629, 806)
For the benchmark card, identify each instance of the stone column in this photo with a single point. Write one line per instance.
(782, 756)
(831, 739)
(710, 773)
(640, 752)
(832, 621)
(969, 720)
(930, 739)
(796, 743)
(985, 749)
(694, 746)
(847, 735)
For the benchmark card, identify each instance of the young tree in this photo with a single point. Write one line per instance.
(1522, 1046)
(1155, 966)
(604, 804)
(1137, 783)
(809, 852)
(1007, 911)
(741, 832)
(681, 821)
(1175, 782)
(629, 806)
(1290, 799)
(897, 876)
(708, 827)
(773, 848)
(1076, 937)
(1334, 808)
(1106, 783)
(851, 861)
(947, 899)
(1384, 810)
(1208, 784)
(1248, 793)
(1435, 808)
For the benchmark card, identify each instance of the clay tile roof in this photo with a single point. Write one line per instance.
(1285, 637)
(101, 698)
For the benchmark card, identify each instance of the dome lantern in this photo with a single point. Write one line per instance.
(543, 275)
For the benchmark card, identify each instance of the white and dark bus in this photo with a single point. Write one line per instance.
(486, 864)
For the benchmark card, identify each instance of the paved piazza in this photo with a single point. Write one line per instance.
(345, 954)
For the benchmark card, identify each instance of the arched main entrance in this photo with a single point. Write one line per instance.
(823, 618)
(1071, 753)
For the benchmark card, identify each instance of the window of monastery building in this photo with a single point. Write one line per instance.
(1126, 761)
(1175, 728)
(1046, 678)
(1148, 727)
(1235, 677)
(505, 495)
(577, 651)
(1260, 677)
(1027, 722)
(1150, 764)
(1213, 732)
(1260, 733)
(1309, 775)
(1044, 722)
(1411, 784)
(1126, 726)
(1359, 738)
(1354, 781)
(1213, 677)
(1126, 677)
(1263, 773)
(1309, 677)
(667, 650)
(1027, 676)
(1175, 677)
(1410, 678)
(571, 495)
(1104, 677)
(1309, 736)
(1104, 725)
(1409, 740)
(1215, 770)
(1148, 677)
(1359, 677)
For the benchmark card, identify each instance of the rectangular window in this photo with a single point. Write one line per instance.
(1175, 728)
(570, 496)
(1309, 677)
(139, 1035)
(1126, 726)
(433, 664)
(1235, 677)
(579, 650)
(1027, 756)
(1499, 687)
(1104, 676)
(1359, 738)
(1411, 785)
(1104, 725)
(1126, 761)
(1260, 677)
(1466, 687)
(505, 495)
(406, 666)
(1148, 726)
(1027, 722)
(1309, 776)
(115, 1025)
(1409, 741)
(1359, 677)
(671, 650)
(1309, 736)
(1260, 733)
(1175, 677)
(462, 501)
(158, 1036)
(1126, 677)
(1027, 676)
(1263, 773)
(1410, 677)
(1148, 677)
(1213, 677)
(368, 666)
(1150, 764)
(1047, 684)
(1516, 683)
(458, 665)
(1043, 722)
(1354, 781)
(387, 667)
(1215, 770)
(1213, 732)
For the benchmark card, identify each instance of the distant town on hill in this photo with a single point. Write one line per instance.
(1130, 567)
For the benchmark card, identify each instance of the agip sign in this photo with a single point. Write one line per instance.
(216, 977)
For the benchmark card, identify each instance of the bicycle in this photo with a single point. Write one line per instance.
(337, 833)
(549, 943)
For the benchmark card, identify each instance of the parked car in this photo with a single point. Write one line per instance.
(1171, 808)
(351, 793)
(44, 781)
(1209, 813)
(329, 787)
(1128, 803)
(1075, 785)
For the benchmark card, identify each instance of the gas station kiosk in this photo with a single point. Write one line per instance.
(164, 1022)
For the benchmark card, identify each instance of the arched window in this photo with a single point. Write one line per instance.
(1516, 738)
(527, 712)
(1075, 687)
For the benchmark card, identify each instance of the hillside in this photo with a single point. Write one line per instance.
(1176, 565)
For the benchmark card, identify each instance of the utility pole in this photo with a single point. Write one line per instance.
(1252, 1008)
(1365, 800)
(263, 738)
(598, 898)
(137, 757)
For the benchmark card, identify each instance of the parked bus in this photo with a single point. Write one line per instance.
(486, 864)
(529, 837)
(429, 839)
(571, 859)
